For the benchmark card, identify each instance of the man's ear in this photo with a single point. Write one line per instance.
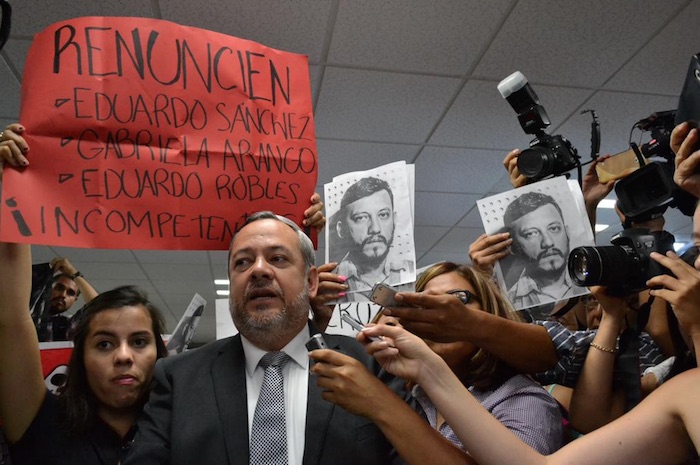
(312, 280)
(514, 246)
(339, 229)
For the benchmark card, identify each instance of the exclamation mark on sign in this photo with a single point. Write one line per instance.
(19, 219)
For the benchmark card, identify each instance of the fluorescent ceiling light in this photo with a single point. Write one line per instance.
(678, 246)
(607, 203)
(221, 282)
(601, 227)
(222, 292)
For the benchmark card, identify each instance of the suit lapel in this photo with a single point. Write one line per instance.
(228, 376)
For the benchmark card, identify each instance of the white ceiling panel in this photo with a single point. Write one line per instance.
(297, 26)
(458, 170)
(660, 66)
(380, 106)
(357, 156)
(469, 124)
(414, 35)
(601, 34)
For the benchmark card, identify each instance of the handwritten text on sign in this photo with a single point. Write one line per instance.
(147, 134)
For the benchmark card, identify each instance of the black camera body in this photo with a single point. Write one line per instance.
(623, 267)
(548, 155)
(650, 190)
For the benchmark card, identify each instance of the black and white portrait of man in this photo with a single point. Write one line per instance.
(370, 232)
(180, 340)
(545, 222)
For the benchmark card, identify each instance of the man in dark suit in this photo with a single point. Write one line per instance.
(202, 405)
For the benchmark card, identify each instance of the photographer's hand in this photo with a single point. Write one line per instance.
(510, 162)
(684, 143)
(614, 308)
(681, 290)
(487, 249)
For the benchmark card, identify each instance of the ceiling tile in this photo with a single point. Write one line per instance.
(28, 20)
(444, 37)
(380, 106)
(339, 157)
(466, 171)
(582, 43)
(658, 67)
(298, 26)
(452, 208)
(480, 117)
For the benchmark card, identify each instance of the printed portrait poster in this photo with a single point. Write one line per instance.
(145, 134)
(54, 363)
(546, 220)
(182, 335)
(370, 227)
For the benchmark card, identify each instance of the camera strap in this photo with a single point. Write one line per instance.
(628, 364)
(628, 360)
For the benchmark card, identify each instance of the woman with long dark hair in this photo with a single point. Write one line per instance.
(117, 341)
(116, 345)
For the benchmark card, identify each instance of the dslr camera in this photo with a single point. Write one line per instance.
(548, 155)
(623, 267)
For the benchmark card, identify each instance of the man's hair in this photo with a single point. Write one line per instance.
(305, 244)
(79, 402)
(527, 203)
(364, 188)
(484, 370)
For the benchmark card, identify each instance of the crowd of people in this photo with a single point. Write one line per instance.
(452, 374)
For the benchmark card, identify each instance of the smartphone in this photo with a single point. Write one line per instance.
(689, 101)
(618, 166)
(356, 325)
(383, 294)
(316, 342)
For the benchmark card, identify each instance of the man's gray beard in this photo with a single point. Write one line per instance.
(265, 331)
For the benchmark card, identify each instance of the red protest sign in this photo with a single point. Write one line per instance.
(146, 134)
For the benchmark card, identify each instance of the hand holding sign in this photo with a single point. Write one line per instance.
(13, 147)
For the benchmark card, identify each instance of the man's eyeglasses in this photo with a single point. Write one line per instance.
(465, 296)
(61, 288)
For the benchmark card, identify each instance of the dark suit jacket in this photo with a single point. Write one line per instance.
(197, 413)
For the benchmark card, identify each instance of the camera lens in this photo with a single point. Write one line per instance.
(604, 266)
(535, 162)
(584, 265)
